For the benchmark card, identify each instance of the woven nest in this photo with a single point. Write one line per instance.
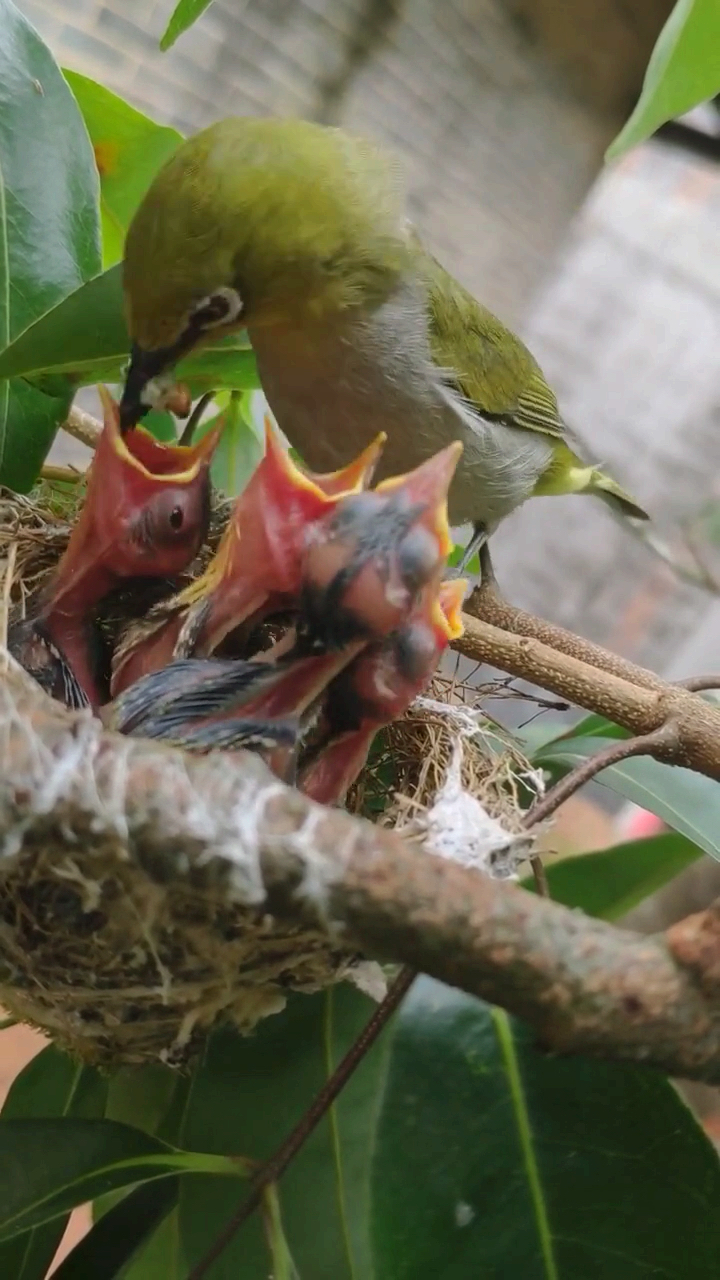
(127, 963)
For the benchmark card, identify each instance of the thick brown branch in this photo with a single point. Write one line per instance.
(68, 786)
(486, 604)
(640, 710)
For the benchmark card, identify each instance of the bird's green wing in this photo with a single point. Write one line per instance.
(484, 361)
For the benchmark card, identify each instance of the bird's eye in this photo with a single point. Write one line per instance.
(221, 307)
(176, 518)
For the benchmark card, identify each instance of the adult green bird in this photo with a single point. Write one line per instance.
(297, 233)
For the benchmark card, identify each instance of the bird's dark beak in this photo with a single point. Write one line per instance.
(143, 367)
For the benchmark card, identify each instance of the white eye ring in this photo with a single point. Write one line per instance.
(155, 392)
(223, 306)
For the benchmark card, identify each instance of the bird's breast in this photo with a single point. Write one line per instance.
(332, 388)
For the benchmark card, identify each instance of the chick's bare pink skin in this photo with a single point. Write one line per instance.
(145, 514)
(257, 567)
(378, 687)
(367, 562)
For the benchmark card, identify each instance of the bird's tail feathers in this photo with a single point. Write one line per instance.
(603, 486)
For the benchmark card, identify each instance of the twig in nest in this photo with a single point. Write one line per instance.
(274, 1168)
(82, 426)
(8, 577)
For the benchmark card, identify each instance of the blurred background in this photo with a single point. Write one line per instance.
(501, 111)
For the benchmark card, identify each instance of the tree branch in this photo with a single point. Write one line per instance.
(699, 684)
(83, 427)
(486, 604)
(638, 708)
(75, 791)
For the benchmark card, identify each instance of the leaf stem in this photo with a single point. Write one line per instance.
(273, 1170)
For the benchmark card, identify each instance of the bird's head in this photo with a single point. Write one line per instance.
(261, 552)
(371, 558)
(145, 513)
(255, 222)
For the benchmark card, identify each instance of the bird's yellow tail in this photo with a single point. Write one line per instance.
(616, 497)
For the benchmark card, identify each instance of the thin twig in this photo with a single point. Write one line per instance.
(67, 475)
(8, 578)
(696, 684)
(194, 419)
(644, 745)
(540, 875)
(82, 426)
(274, 1168)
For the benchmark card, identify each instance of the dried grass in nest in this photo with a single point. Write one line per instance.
(410, 761)
(123, 963)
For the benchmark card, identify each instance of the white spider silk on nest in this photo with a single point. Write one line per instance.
(459, 827)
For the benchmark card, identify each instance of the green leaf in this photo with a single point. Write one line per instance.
(494, 1160)
(52, 1084)
(684, 70)
(129, 150)
(247, 1095)
(612, 881)
(85, 337)
(688, 802)
(49, 226)
(185, 13)
(593, 726)
(49, 1166)
(113, 1241)
(142, 1097)
(161, 1258)
(240, 447)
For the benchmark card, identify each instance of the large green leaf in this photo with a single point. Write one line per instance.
(247, 1096)
(129, 150)
(49, 227)
(612, 881)
(52, 1084)
(494, 1160)
(49, 1166)
(185, 13)
(684, 70)
(688, 802)
(113, 1241)
(85, 337)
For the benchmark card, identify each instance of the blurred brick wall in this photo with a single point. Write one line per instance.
(500, 144)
